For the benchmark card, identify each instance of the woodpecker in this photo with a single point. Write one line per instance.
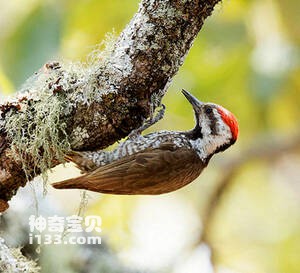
(158, 162)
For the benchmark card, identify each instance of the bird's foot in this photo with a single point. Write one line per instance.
(148, 122)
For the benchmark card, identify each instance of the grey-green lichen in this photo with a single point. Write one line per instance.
(12, 261)
(78, 136)
(93, 76)
(38, 133)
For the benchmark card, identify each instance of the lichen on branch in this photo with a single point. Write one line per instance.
(13, 261)
(38, 134)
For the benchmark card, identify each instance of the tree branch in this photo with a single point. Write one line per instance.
(88, 108)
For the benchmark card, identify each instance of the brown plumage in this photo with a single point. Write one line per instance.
(158, 162)
(152, 171)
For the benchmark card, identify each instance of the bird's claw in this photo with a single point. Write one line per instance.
(148, 122)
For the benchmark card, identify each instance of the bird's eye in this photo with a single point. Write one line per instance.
(208, 110)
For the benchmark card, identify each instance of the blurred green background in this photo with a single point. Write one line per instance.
(246, 58)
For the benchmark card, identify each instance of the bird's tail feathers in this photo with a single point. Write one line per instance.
(72, 183)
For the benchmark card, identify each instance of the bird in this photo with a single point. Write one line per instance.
(158, 162)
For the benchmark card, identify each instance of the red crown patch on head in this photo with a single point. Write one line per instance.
(230, 120)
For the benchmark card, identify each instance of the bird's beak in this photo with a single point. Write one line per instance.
(193, 101)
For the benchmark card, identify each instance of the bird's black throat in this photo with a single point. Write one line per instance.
(194, 134)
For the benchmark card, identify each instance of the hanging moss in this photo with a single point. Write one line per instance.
(38, 132)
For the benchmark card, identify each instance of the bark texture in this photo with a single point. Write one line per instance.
(103, 104)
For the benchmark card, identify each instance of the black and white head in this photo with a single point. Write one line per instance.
(216, 128)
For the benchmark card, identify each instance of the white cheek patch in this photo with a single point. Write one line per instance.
(205, 127)
(207, 146)
(210, 143)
